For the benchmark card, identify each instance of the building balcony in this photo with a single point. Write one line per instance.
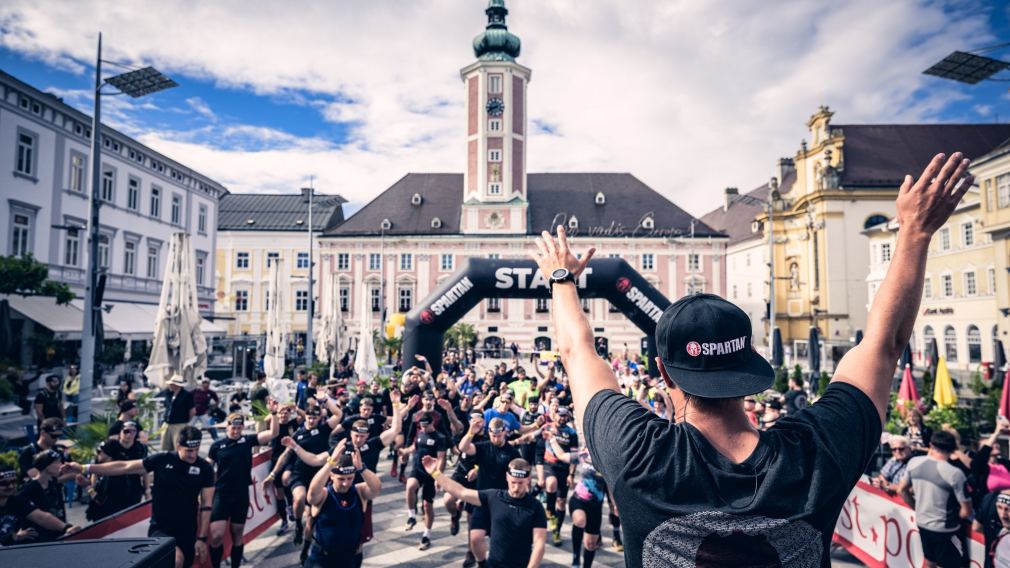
(119, 282)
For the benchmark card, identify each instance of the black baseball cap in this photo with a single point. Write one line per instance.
(704, 342)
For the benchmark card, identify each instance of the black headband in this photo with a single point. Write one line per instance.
(191, 443)
(361, 429)
(9, 474)
(345, 470)
(237, 422)
(1003, 499)
(520, 473)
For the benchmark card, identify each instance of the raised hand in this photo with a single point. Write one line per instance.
(475, 426)
(430, 464)
(356, 459)
(924, 205)
(559, 255)
(288, 442)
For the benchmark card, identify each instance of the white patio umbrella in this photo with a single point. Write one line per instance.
(331, 334)
(276, 339)
(178, 345)
(365, 363)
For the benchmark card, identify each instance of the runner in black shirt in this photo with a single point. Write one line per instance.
(282, 494)
(492, 457)
(109, 495)
(466, 475)
(183, 484)
(45, 492)
(49, 434)
(18, 515)
(558, 475)
(376, 422)
(428, 443)
(233, 457)
(518, 522)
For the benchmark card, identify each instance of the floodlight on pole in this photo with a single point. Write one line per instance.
(965, 67)
(135, 83)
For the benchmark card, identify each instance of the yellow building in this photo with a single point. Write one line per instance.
(845, 181)
(958, 307)
(992, 174)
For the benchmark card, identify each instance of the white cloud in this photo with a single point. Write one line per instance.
(689, 96)
(201, 108)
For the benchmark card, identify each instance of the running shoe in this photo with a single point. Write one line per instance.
(291, 513)
(552, 523)
(557, 537)
(454, 524)
(298, 534)
(469, 561)
(617, 546)
(425, 543)
(284, 528)
(411, 521)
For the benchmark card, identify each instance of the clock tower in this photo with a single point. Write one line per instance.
(494, 182)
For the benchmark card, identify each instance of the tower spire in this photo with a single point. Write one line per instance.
(496, 43)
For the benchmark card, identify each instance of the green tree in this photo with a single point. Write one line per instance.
(25, 276)
(461, 336)
(781, 383)
(823, 382)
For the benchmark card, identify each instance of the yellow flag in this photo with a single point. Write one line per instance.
(943, 388)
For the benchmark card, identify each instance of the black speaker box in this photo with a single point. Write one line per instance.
(104, 553)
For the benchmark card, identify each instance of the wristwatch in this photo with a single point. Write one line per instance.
(560, 276)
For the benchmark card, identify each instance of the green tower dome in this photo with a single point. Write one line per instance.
(496, 43)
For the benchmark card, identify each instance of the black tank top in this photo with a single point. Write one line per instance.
(338, 525)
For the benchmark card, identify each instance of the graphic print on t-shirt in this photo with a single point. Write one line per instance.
(713, 539)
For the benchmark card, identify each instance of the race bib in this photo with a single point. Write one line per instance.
(364, 448)
(314, 432)
(430, 442)
(193, 470)
(371, 421)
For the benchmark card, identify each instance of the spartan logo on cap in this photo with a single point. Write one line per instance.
(427, 317)
(694, 349)
(623, 285)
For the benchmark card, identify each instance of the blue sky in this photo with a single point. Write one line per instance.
(358, 93)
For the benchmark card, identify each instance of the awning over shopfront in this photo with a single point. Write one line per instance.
(122, 320)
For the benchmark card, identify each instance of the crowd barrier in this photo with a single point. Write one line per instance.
(133, 522)
(873, 526)
(879, 530)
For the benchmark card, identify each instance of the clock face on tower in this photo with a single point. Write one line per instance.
(495, 106)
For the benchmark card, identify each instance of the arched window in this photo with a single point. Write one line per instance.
(874, 220)
(974, 345)
(950, 344)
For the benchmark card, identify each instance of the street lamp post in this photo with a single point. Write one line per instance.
(136, 83)
(309, 343)
(769, 205)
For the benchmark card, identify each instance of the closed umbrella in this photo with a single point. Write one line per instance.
(331, 334)
(276, 343)
(943, 389)
(907, 393)
(859, 336)
(365, 364)
(1004, 400)
(998, 360)
(6, 331)
(178, 346)
(814, 356)
(906, 357)
(777, 358)
(932, 354)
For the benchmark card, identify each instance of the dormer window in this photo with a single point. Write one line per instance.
(386, 225)
(416, 199)
(573, 222)
(436, 223)
(648, 223)
(600, 198)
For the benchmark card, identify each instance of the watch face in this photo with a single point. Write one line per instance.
(495, 107)
(559, 273)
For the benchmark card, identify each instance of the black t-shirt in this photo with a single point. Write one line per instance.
(285, 429)
(233, 459)
(370, 451)
(493, 462)
(12, 516)
(429, 444)
(177, 487)
(376, 423)
(177, 407)
(512, 524)
(49, 499)
(796, 400)
(314, 441)
(122, 488)
(51, 404)
(684, 502)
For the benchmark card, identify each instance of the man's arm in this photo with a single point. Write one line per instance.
(108, 469)
(574, 334)
(399, 413)
(203, 526)
(539, 544)
(47, 521)
(922, 208)
(39, 415)
(265, 436)
(307, 457)
(371, 485)
(905, 490)
(431, 465)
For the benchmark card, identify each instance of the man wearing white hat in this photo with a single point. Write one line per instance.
(179, 411)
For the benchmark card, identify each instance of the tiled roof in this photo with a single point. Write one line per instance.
(278, 212)
(881, 154)
(551, 198)
(736, 219)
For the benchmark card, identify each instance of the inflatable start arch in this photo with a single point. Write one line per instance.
(479, 279)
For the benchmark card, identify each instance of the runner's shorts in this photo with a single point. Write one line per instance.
(233, 507)
(593, 511)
